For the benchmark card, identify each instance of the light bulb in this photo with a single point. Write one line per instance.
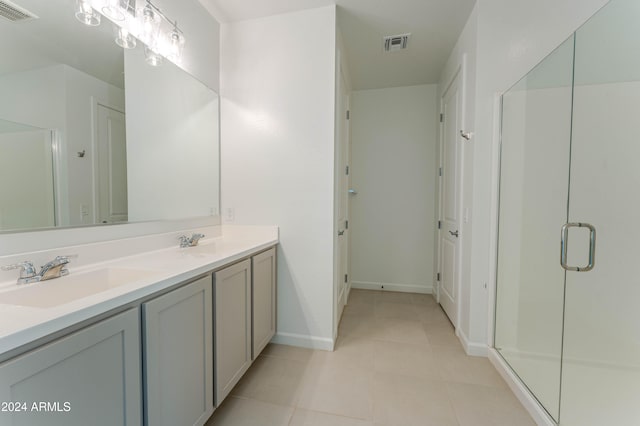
(86, 14)
(176, 44)
(150, 25)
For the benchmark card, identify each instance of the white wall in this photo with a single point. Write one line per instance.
(172, 142)
(81, 91)
(60, 97)
(393, 168)
(512, 37)
(35, 97)
(201, 55)
(277, 91)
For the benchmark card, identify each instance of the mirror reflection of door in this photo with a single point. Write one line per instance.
(26, 177)
(112, 166)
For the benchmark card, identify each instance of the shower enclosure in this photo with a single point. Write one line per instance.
(568, 283)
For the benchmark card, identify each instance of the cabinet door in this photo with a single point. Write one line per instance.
(91, 377)
(263, 268)
(232, 326)
(178, 329)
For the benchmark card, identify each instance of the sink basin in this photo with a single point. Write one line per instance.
(50, 293)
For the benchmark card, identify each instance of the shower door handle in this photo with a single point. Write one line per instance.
(592, 246)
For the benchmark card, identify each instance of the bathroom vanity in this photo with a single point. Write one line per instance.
(160, 338)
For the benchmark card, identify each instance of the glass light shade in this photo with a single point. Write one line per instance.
(124, 38)
(176, 45)
(152, 57)
(86, 14)
(113, 10)
(149, 25)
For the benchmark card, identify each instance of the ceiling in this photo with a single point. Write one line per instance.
(434, 26)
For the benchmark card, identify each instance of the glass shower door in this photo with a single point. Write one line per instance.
(534, 180)
(601, 360)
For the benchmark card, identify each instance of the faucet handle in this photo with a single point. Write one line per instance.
(184, 241)
(66, 258)
(27, 271)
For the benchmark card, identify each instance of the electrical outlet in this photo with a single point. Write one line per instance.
(84, 212)
(230, 214)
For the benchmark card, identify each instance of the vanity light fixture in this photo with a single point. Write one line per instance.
(130, 24)
(86, 14)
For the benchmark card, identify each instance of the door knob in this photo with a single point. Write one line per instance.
(352, 191)
(455, 234)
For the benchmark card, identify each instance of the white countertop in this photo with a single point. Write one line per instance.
(164, 268)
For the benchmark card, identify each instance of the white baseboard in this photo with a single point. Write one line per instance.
(304, 341)
(403, 288)
(472, 348)
(533, 407)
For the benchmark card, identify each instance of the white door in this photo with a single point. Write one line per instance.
(342, 196)
(449, 235)
(112, 166)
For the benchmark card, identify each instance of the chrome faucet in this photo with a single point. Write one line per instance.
(56, 268)
(190, 242)
(50, 270)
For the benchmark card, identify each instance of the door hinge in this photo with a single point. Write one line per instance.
(346, 224)
(348, 114)
(438, 277)
(346, 170)
(442, 118)
(346, 278)
(440, 171)
(439, 224)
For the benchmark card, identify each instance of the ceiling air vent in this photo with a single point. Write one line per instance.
(14, 12)
(396, 42)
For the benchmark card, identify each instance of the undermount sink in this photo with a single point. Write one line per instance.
(50, 293)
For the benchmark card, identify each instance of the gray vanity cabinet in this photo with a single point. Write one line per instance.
(90, 377)
(263, 269)
(178, 348)
(232, 326)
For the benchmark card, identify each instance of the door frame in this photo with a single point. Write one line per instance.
(459, 76)
(95, 105)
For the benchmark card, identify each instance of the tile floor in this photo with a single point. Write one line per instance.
(397, 363)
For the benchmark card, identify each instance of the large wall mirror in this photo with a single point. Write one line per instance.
(91, 134)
